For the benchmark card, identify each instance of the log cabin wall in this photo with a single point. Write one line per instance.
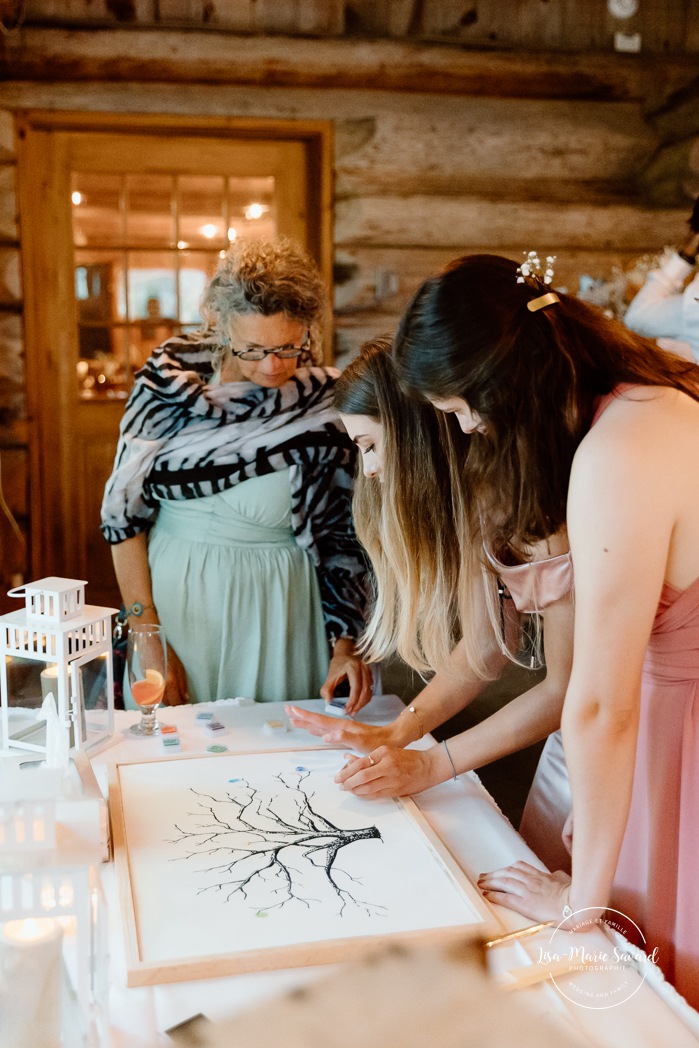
(458, 127)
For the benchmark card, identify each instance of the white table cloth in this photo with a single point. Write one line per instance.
(468, 821)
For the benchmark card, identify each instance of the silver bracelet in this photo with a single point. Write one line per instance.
(446, 748)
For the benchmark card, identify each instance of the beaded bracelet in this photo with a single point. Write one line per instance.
(446, 749)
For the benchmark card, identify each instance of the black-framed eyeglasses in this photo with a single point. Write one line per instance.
(287, 352)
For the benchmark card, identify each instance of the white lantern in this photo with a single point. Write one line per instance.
(53, 922)
(56, 644)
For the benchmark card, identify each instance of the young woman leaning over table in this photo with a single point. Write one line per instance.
(229, 505)
(574, 422)
(409, 509)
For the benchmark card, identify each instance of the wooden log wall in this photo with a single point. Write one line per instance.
(664, 26)
(420, 178)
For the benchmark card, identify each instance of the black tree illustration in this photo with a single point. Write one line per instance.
(275, 846)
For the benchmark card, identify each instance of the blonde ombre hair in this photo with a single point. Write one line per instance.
(409, 522)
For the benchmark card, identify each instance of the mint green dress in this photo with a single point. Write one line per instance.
(238, 598)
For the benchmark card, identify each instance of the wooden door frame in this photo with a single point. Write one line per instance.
(47, 418)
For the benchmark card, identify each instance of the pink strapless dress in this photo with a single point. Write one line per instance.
(657, 878)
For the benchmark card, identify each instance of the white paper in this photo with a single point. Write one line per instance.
(232, 853)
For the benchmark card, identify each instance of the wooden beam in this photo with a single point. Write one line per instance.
(679, 118)
(9, 233)
(119, 55)
(10, 283)
(422, 221)
(672, 177)
(512, 149)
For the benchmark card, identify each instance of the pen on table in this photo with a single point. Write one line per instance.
(521, 933)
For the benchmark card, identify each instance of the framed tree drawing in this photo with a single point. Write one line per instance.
(239, 863)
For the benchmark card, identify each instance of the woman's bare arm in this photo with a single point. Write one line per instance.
(132, 570)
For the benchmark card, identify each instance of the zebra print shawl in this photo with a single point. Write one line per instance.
(181, 438)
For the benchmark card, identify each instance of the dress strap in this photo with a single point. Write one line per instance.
(603, 402)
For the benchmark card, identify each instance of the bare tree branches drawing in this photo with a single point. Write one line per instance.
(271, 848)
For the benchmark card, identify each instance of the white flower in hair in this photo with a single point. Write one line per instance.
(532, 267)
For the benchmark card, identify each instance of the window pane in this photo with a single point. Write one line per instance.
(101, 368)
(99, 286)
(104, 374)
(196, 269)
(201, 210)
(152, 285)
(147, 335)
(251, 207)
(149, 211)
(97, 214)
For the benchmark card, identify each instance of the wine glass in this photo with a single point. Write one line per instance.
(146, 659)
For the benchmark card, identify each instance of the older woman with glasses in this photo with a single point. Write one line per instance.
(229, 505)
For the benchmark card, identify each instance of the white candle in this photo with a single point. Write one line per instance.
(30, 983)
(49, 682)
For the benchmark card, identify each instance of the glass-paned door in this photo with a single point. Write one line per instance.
(121, 231)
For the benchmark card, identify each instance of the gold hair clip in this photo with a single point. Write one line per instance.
(542, 301)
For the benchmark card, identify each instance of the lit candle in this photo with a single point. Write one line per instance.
(30, 987)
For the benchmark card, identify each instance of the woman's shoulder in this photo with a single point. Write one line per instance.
(187, 349)
(639, 429)
(315, 379)
(179, 361)
(632, 408)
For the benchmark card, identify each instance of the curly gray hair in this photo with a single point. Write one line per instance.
(266, 277)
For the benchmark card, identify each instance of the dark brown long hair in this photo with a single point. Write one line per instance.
(533, 377)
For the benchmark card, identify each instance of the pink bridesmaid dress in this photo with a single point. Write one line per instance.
(657, 877)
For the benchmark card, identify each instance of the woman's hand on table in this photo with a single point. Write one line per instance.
(339, 730)
(389, 772)
(346, 664)
(176, 693)
(531, 892)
